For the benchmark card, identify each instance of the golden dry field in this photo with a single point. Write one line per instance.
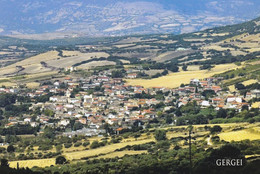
(217, 47)
(239, 135)
(32, 85)
(232, 88)
(174, 80)
(7, 84)
(32, 163)
(96, 63)
(75, 154)
(256, 105)
(70, 53)
(249, 82)
(122, 153)
(102, 150)
(52, 59)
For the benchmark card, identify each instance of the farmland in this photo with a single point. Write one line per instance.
(31, 163)
(239, 135)
(74, 154)
(174, 80)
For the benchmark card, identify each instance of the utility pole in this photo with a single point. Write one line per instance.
(190, 127)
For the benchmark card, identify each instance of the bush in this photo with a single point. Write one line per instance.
(60, 160)
(94, 145)
(45, 147)
(10, 148)
(85, 144)
(77, 144)
(67, 145)
(215, 129)
(160, 135)
(2, 149)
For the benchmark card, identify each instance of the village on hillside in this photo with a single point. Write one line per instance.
(102, 104)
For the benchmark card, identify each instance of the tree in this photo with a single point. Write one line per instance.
(58, 148)
(48, 133)
(77, 126)
(184, 67)
(49, 112)
(222, 113)
(215, 129)
(60, 160)
(160, 135)
(94, 145)
(117, 74)
(168, 119)
(240, 86)
(10, 148)
(4, 163)
(208, 93)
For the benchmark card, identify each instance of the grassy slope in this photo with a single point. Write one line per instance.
(75, 154)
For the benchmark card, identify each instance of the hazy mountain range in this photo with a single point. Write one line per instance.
(120, 17)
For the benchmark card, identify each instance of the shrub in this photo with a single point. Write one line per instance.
(10, 148)
(60, 160)
(215, 129)
(85, 144)
(160, 135)
(94, 145)
(77, 144)
(67, 145)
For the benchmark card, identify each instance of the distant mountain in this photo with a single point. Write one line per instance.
(114, 17)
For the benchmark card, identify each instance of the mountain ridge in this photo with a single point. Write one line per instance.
(117, 18)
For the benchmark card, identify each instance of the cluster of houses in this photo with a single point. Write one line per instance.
(101, 100)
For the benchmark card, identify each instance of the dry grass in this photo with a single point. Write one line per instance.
(125, 61)
(197, 40)
(219, 34)
(32, 163)
(69, 61)
(174, 80)
(71, 53)
(232, 88)
(33, 65)
(32, 85)
(249, 82)
(50, 55)
(217, 47)
(7, 84)
(75, 154)
(124, 45)
(121, 154)
(193, 68)
(96, 63)
(102, 150)
(256, 105)
(239, 135)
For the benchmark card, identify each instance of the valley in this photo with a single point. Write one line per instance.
(131, 104)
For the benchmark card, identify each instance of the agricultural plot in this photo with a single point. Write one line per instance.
(256, 105)
(50, 61)
(232, 88)
(32, 85)
(96, 63)
(249, 82)
(102, 150)
(31, 163)
(239, 135)
(75, 154)
(174, 80)
(171, 55)
(121, 154)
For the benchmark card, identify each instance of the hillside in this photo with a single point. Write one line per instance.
(213, 46)
(67, 18)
